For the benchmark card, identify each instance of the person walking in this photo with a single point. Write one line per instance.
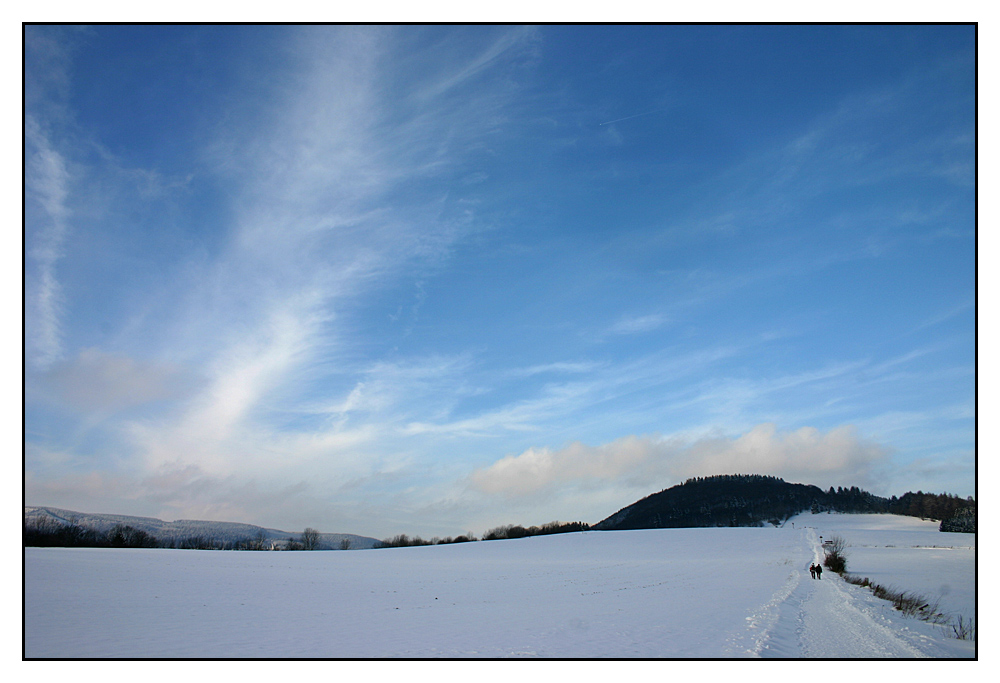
(812, 570)
(819, 572)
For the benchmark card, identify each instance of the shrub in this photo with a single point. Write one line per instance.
(836, 560)
(964, 629)
(835, 563)
(914, 605)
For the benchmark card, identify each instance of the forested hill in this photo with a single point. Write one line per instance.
(752, 499)
(185, 533)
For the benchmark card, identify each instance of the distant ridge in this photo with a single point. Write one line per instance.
(737, 500)
(188, 528)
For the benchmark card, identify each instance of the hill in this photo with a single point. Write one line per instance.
(183, 530)
(738, 500)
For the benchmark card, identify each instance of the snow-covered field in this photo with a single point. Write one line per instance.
(681, 593)
(909, 554)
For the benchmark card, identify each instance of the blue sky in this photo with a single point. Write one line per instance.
(430, 280)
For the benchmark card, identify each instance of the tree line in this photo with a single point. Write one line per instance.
(518, 531)
(937, 506)
(505, 531)
(49, 532)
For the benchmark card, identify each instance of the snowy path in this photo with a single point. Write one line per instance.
(828, 618)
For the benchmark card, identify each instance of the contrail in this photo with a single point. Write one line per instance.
(631, 117)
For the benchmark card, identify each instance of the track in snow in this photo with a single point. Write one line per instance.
(826, 619)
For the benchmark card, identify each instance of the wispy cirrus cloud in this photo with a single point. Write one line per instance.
(528, 414)
(47, 187)
(638, 324)
(558, 367)
(49, 179)
(521, 39)
(322, 210)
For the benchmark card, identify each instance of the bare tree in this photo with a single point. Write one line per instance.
(345, 544)
(125, 536)
(258, 542)
(310, 539)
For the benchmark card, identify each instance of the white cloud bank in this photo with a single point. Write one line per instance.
(837, 457)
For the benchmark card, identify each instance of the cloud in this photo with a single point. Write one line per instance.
(323, 215)
(224, 332)
(95, 382)
(46, 185)
(558, 367)
(173, 492)
(538, 469)
(638, 324)
(242, 352)
(525, 415)
(805, 455)
(520, 38)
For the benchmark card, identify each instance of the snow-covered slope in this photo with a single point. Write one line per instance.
(677, 593)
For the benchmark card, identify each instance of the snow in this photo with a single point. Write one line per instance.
(677, 593)
(909, 554)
